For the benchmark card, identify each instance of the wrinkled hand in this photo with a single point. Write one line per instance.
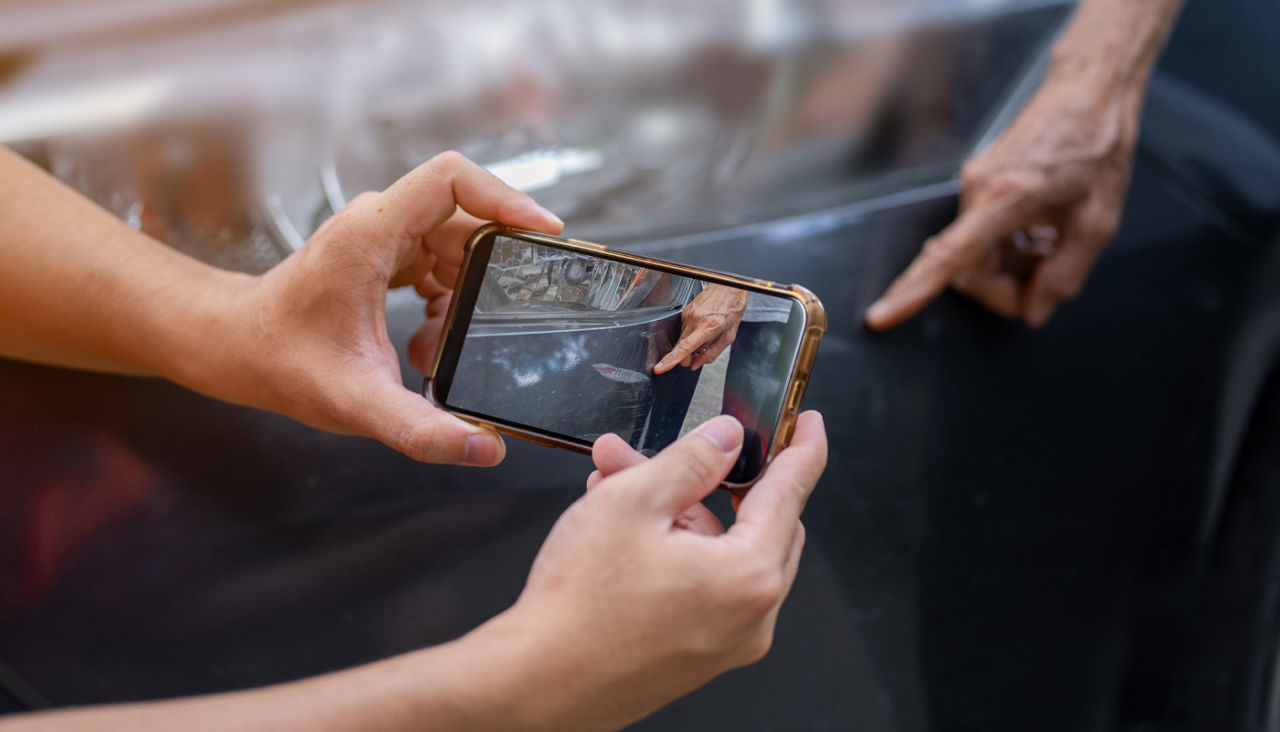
(1036, 210)
(708, 325)
(322, 353)
(653, 607)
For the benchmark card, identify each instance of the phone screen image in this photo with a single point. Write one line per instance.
(566, 343)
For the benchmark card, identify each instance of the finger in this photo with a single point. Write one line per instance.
(426, 197)
(611, 454)
(683, 350)
(446, 274)
(439, 307)
(688, 470)
(430, 288)
(999, 292)
(1062, 275)
(789, 570)
(793, 559)
(712, 351)
(440, 249)
(424, 342)
(409, 423)
(413, 269)
(956, 248)
(448, 240)
(1057, 280)
(770, 512)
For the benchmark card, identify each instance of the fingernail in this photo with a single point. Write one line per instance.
(548, 215)
(482, 449)
(724, 431)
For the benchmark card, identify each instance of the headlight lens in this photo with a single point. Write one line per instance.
(524, 279)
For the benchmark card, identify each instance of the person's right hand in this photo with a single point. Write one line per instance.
(636, 607)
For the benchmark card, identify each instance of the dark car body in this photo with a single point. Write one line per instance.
(1069, 529)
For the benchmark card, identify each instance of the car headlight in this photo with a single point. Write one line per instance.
(527, 280)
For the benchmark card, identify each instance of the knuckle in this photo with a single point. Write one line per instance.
(423, 443)
(1015, 184)
(761, 588)
(351, 220)
(449, 160)
(973, 174)
(941, 250)
(703, 463)
(416, 443)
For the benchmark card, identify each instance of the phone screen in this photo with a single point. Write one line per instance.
(576, 345)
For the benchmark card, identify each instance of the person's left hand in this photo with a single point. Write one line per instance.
(638, 595)
(611, 454)
(318, 347)
(708, 325)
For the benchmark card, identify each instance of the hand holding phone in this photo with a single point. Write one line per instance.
(694, 600)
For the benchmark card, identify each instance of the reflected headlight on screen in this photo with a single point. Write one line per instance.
(537, 280)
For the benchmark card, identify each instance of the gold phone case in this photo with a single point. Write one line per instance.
(814, 326)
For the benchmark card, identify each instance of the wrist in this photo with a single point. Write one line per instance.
(200, 333)
(532, 667)
(1105, 106)
(513, 675)
(1111, 47)
(1101, 84)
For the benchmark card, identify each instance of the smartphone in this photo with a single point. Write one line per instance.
(556, 341)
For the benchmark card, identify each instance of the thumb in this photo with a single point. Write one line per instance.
(414, 426)
(688, 470)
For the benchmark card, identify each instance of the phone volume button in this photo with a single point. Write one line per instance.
(797, 393)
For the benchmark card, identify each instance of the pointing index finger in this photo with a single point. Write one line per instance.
(954, 249)
(686, 345)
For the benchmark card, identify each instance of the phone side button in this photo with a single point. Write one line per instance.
(797, 394)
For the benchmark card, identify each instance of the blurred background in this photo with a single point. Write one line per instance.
(1069, 529)
(232, 129)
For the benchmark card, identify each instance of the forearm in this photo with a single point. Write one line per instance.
(79, 288)
(489, 679)
(1112, 45)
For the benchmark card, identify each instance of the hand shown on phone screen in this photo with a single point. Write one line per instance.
(708, 325)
